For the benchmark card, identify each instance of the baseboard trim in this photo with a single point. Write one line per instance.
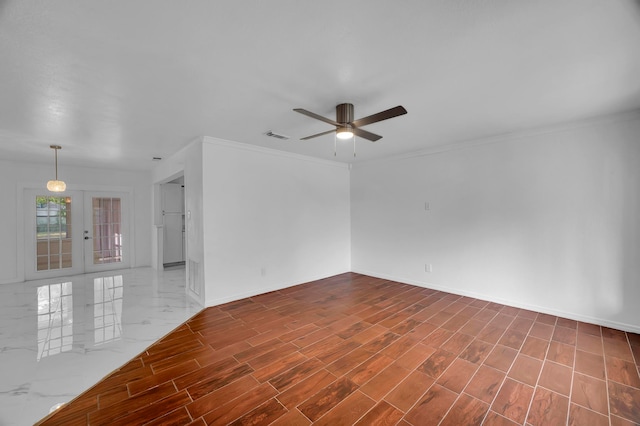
(545, 310)
(257, 291)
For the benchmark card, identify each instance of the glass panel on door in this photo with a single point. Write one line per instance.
(107, 230)
(53, 233)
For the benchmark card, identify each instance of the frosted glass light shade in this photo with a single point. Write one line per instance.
(56, 186)
(344, 134)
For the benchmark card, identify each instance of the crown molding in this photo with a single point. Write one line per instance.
(274, 152)
(507, 137)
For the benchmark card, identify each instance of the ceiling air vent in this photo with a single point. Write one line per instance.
(276, 135)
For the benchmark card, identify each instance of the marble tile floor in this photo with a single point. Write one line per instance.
(58, 337)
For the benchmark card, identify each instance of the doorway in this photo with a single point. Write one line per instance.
(173, 222)
(75, 232)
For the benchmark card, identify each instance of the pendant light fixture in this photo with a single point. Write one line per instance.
(56, 185)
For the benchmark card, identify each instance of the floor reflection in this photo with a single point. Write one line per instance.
(55, 319)
(107, 309)
(60, 336)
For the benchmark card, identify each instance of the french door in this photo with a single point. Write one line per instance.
(75, 232)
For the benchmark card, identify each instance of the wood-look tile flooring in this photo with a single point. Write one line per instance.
(353, 349)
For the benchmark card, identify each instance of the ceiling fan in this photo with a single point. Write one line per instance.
(346, 126)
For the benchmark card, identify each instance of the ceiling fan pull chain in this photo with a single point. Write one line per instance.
(335, 143)
(354, 146)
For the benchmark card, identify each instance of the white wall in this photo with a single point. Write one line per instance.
(195, 222)
(187, 162)
(547, 221)
(271, 219)
(16, 175)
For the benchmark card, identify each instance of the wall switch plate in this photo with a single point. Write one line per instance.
(428, 267)
(427, 207)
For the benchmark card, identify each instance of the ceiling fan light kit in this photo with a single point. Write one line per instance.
(345, 125)
(344, 132)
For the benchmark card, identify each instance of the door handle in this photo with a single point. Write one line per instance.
(87, 238)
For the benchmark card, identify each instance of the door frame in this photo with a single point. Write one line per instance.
(21, 258)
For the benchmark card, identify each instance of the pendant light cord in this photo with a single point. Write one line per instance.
(56, 150)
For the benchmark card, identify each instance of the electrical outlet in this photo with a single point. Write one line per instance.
(427, 206)
(427, 267)
(263, 271)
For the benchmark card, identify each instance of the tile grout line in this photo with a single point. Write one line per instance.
(606, 375)
(633, 356)
(474, 373)
(605, 381)
(398, 384)
(499, 388)
(373, 354)
(526, 416)
(573, 373)
(471, 378)
(416, 369)
(401, 381)
(506, 374)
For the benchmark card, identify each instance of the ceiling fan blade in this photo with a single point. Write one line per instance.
(366, 135)
(316, 116)
(384, 115)
(318, 134)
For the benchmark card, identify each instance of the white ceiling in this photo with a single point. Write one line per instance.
(118, 82)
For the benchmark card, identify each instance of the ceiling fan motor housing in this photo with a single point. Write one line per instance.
(344, 113)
